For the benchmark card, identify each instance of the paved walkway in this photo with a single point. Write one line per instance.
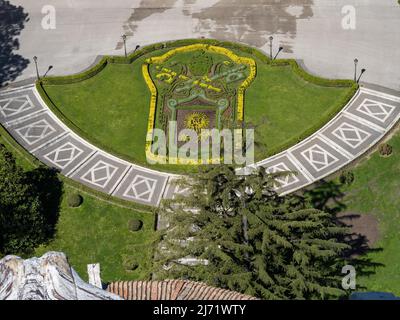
(310, 30)
(359, 126)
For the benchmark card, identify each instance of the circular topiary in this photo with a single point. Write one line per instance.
(130, 264)
(135, 225)
(74, 200)
(385, 149)
(346, 177)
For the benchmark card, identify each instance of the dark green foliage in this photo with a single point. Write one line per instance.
(201, 63)
(346, 177)
(29, 205)
(74, 200)
(130, 263)
(255, 241)
(135, 225)
(385, 149)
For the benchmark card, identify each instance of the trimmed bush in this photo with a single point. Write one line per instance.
(135, 225)
(129, 263)
(74, 200)
(385, 150)
(346, 177)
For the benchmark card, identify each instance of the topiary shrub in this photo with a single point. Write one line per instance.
(135, 225)
(385, 149)
(74, 200)
(129, 263)
(346, 177)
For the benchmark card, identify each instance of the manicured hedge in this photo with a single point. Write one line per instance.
(385, 150)
(311, 78)
(178, 43)
(135, 225)
(74, 200)
(74, 184)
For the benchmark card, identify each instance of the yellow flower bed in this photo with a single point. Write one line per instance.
(153, 90)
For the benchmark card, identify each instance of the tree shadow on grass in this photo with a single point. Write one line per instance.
(12, 20)
(328, 196)
(47, 185)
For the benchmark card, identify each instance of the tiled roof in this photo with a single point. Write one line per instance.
(172, 290)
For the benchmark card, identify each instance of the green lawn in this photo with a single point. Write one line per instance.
(283, 106)
(112, 108)
(97, 231)
(376, 191)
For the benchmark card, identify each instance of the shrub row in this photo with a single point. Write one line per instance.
(314, 79)
(178, 43)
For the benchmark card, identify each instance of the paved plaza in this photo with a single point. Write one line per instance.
(358, 127)
(314, 31)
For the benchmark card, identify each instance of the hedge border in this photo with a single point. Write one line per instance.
(105, 60)
(74, 184)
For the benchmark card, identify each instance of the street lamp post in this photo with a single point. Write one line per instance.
(355, 69)
(280, 49)
(124, 39)
(362, 72)
(37, 70)
(271, 38)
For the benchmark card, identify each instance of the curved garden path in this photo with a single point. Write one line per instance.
(361, 124)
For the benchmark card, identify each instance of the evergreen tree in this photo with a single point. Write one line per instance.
(28, 205)
(254, 241)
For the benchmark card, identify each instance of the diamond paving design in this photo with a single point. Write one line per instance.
(377, 110)
(100, 174)
(13, 106)
(319, 158)
(351, 135)
(36, 131)
(286, 180)
(141, 188)
(64, 155)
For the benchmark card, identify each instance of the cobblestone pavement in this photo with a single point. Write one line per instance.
(358, 127)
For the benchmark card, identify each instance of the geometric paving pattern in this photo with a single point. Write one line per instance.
(375, 109)
(35, 131)
(100, 174)
(319, 158)
(15, 105)
(351, 135)
(64, 155)
(175, 188)
(358, 127)
(295, 178)
(141, 188)
(286, 179)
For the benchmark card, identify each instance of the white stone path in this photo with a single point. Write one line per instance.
(361, 124)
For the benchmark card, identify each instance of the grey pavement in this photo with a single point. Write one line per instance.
(310, 30)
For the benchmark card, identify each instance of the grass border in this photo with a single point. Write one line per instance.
(105, 60)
